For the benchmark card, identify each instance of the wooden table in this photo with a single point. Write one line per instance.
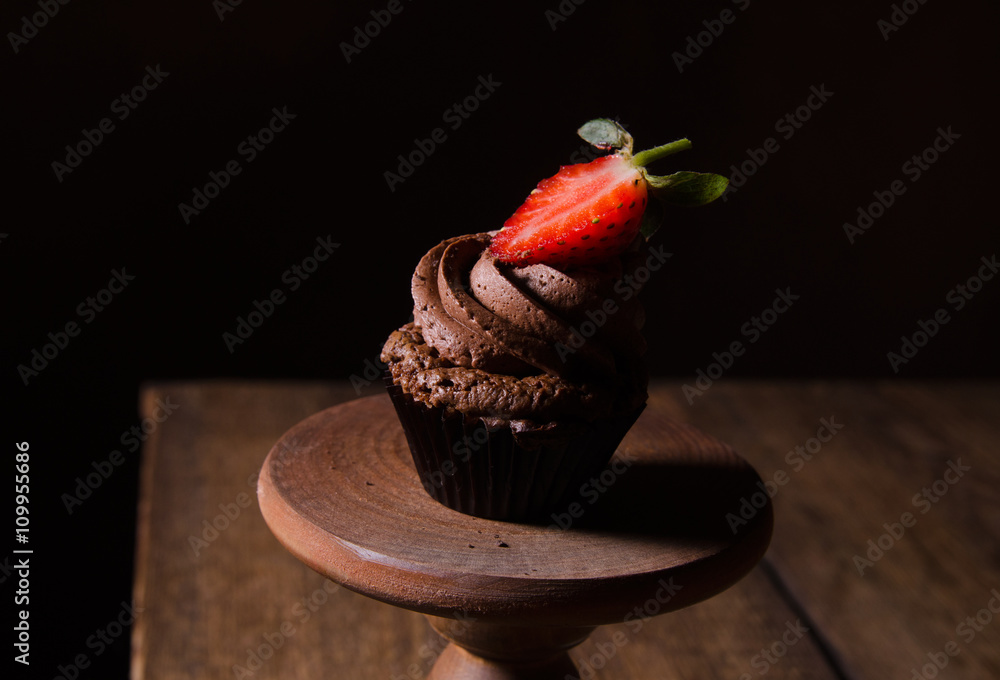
(885, 560)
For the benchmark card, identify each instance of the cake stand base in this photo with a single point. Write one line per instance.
(650, 533)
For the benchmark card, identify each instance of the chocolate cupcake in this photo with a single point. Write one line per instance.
(522, 369)
(515, 385)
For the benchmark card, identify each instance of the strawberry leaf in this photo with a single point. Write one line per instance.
(606, 134)
(687, 188)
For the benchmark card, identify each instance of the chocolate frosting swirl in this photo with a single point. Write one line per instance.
(480, 313)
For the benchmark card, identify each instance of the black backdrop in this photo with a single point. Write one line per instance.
(724, 74)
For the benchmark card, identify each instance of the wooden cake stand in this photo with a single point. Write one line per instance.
(648, 535)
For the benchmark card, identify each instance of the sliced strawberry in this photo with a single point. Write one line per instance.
(590, 212)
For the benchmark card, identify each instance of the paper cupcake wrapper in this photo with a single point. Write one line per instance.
(476, 470)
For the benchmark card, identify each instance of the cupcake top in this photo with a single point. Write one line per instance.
(481, 313)
(535, 321)
(493, 340)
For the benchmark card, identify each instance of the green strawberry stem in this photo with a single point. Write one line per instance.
(644, 158)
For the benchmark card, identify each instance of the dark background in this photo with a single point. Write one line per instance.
(323, 175)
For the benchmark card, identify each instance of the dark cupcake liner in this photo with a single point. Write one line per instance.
(484, 469)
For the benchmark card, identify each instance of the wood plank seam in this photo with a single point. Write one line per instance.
(829, 652)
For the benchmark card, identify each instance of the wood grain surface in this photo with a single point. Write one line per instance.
(340, 491)
(215, 608)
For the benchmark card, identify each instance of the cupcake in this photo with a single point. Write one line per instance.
(522, 369)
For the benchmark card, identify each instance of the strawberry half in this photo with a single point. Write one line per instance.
(590, 212)
(587, 213)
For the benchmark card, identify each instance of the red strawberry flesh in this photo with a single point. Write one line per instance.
(587, 213)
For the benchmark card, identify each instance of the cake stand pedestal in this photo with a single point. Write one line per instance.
(658, 530)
